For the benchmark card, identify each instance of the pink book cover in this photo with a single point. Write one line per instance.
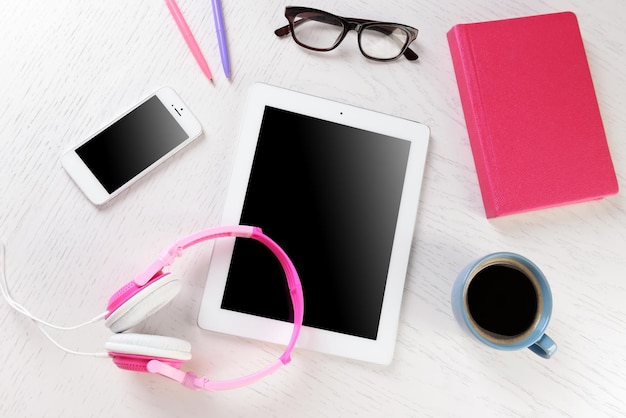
(531, 112)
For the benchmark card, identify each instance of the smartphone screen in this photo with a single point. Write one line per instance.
(132, 145)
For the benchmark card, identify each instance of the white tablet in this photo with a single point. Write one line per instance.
(338, 188)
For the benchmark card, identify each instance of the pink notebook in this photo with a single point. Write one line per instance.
(531, 112)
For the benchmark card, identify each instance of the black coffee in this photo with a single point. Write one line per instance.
(502, 300)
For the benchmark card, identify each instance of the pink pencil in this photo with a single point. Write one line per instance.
(191, 41)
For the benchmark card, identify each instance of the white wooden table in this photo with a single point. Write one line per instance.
(69, 66)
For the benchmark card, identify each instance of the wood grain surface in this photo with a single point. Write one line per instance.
(68, 67)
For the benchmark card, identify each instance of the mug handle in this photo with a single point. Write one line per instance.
(545, 347)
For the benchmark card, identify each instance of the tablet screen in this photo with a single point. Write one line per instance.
(330, 195)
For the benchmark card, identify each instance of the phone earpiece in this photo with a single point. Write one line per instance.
(132, 304)
(133, 351)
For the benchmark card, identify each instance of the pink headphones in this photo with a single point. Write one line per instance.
(153, 289)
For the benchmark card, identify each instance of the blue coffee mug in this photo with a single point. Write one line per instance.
(491, 281)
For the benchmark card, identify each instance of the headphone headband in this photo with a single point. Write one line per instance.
(167, 257)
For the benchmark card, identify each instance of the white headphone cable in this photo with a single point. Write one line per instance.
(6, 294)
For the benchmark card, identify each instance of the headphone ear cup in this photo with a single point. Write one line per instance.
(143, 304)
(134, 351)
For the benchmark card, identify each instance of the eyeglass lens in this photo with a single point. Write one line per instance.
(317, 30)
(383, 41)
(323, 32)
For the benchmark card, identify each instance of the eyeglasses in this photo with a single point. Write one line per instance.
(321, 31)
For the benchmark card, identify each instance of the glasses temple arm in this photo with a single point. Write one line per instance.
(282, 31)
(410, 54)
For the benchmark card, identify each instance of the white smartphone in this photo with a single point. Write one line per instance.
(131, 146)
